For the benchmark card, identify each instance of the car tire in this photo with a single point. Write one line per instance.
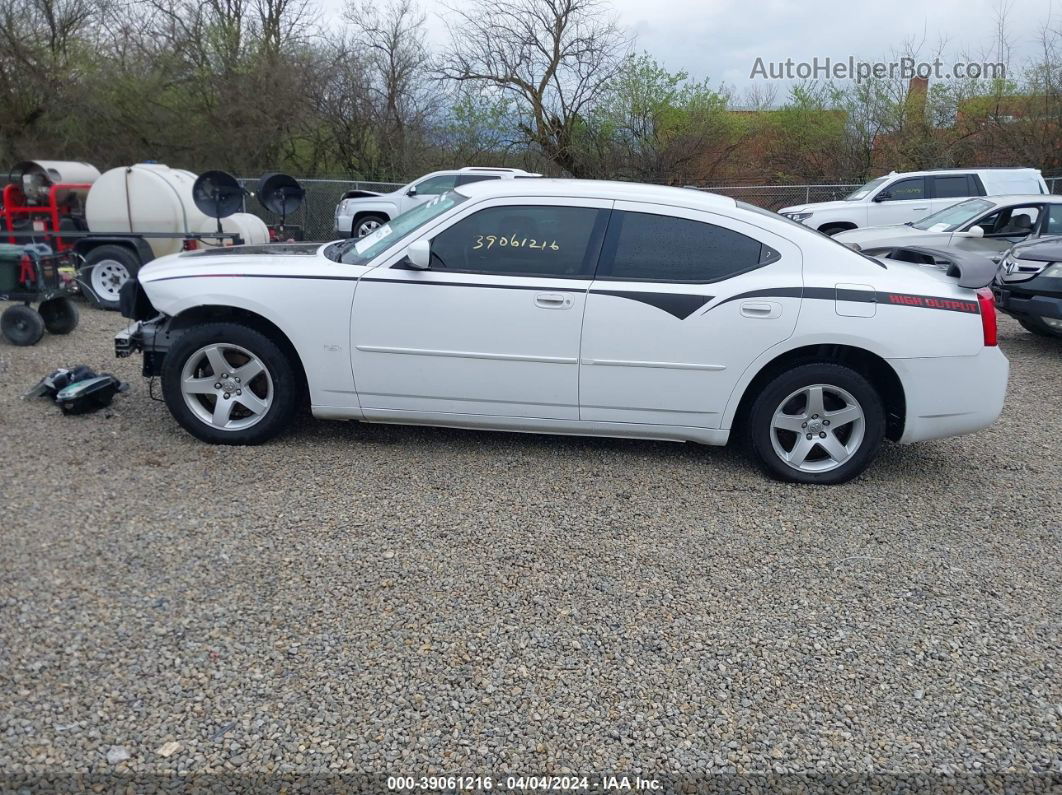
(833, 404)
(105, 270)
(1038, 327)
(60, 315)
(254, 407)
(22, 325)
(367, 224)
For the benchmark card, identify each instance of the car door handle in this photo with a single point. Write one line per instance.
(765, 310)
(553, 301)
(919, 209)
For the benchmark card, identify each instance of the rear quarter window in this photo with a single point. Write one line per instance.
(662, 248)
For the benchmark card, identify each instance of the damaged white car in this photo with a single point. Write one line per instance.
(581, 307)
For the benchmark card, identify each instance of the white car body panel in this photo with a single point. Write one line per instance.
(387, 343)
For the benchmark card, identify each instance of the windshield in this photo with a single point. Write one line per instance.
(359, 252)
(866, 190)
(951, 218)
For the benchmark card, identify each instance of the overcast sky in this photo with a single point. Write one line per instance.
(721, 39)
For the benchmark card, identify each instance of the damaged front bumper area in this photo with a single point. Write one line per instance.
(149, 337)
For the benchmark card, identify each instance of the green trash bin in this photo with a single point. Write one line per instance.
(10, 265)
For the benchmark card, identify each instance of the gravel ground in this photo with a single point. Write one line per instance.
(420, 601)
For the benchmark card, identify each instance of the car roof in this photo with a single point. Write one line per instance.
(972, 170)
(597, 189)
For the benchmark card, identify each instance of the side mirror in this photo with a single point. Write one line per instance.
(975, 231)
(884, 196)
(412, 191)
(419, 254)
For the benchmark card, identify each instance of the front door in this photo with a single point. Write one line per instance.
(683, 302)
(902, 201)
(492, 328)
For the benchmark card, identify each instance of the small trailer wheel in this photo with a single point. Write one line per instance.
(60, 315)
(22, 325)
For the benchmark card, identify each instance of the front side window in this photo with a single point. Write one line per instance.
(951, 187)
(433, 186)
(527, 240)
(467, 179)
(1016, 221)
(865, 190)
(662, 248)
(906, 189)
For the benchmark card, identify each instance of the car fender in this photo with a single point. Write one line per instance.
(321, 345)
(385, 207)
(793, 343)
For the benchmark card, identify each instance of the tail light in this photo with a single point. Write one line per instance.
(986, 302)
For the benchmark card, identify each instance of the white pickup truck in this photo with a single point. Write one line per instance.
(361, 212)
(901, 197)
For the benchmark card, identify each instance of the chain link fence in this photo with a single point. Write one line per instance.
(316, 216)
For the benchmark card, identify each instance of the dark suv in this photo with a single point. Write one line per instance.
(1028, 286)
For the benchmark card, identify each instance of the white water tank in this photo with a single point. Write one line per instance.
(151, 197)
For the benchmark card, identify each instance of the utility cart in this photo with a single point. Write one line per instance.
(34, 274)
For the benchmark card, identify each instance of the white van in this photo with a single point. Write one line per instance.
(899, 198)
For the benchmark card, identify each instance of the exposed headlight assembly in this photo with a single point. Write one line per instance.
(798, 216)
(1052, 271)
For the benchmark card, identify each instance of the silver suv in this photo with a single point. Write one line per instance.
(360, 212)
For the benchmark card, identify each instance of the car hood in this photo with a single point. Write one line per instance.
(873, 236)
(234, 261)
(1048, 250)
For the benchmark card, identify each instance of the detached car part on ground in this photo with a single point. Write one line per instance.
(580, 307)
(1028, 286)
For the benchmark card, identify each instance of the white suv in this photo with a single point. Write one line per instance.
(360, 212)
(899, 198)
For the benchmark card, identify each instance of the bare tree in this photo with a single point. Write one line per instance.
(554, 57)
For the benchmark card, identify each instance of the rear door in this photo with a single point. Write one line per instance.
(949, 189)
(682, 303)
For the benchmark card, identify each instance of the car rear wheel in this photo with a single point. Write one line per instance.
(367, 224)
(229, 384)
(817, 423)
(1040, 327)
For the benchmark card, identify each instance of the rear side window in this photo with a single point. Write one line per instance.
(661, 248)
(953, 186)
(522, 241)
(1053, 225)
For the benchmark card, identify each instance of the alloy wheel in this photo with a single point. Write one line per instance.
(817, 428)
(226, 386)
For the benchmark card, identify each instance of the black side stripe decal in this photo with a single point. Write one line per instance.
(681, 305)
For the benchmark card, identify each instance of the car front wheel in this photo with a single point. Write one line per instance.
(1043, 327)
(367, 224)
(226, 383)
(817, 423)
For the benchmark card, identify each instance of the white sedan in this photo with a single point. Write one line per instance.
(579, 307)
